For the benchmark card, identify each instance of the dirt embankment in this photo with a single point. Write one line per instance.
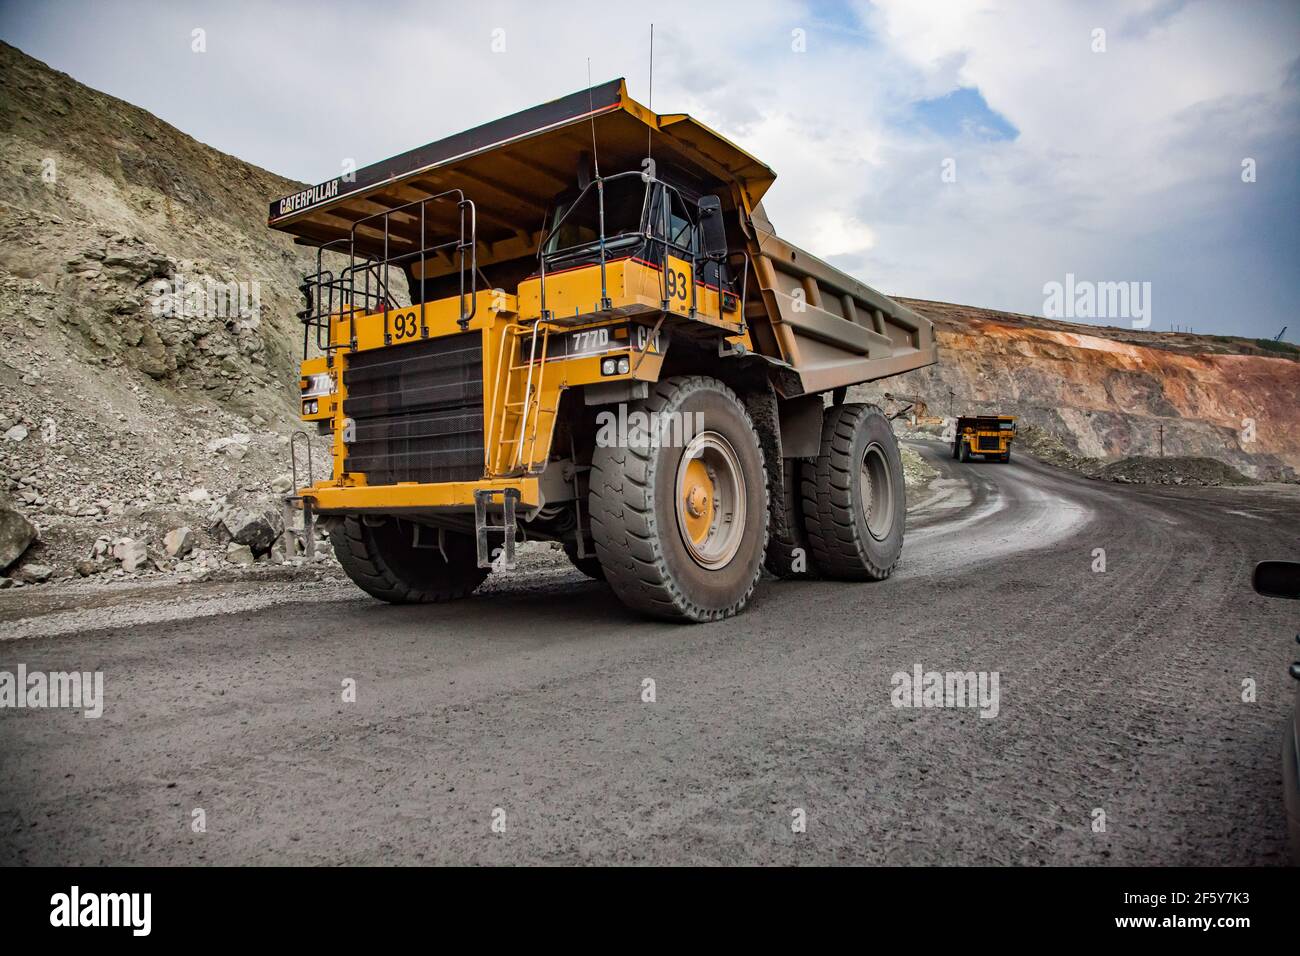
(149, 369)
(1109, 393)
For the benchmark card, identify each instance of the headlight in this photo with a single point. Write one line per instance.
(623, 366)
(608, 367)
(310, 406)
(319, 384)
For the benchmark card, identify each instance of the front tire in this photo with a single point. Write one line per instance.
(679, 514)
(383, 561)
(854, 499)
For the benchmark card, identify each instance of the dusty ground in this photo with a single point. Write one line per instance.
(1120, 691)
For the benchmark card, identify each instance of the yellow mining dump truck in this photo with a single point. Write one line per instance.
(576, 324)
(986, 435)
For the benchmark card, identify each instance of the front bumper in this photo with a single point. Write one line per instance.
(413, 497)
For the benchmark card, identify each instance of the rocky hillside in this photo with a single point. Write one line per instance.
(1110, 393)
(149, 367)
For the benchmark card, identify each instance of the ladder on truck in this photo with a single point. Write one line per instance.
(511, 452)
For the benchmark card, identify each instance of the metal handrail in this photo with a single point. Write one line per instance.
(364, 284)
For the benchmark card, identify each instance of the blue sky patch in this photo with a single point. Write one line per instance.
(963, 113)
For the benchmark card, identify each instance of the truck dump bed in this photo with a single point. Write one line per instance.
(823, 327)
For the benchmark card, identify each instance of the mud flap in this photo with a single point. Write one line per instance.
(505, 560)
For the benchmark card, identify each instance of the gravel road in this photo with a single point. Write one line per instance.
(1120, 694)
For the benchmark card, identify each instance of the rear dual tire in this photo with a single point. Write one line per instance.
(789, 556)
(854, 498)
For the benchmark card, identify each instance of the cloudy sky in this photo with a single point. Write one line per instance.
(1105, 140)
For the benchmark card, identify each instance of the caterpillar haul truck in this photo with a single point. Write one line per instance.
(577, 324)
(989, 436)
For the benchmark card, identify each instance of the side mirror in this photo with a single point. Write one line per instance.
(1277, 579)
(713, 232)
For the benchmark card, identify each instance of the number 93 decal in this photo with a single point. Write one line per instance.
(677, 285)
(405, 325)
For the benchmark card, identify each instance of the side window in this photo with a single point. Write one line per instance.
(680, 228)
(657, 212)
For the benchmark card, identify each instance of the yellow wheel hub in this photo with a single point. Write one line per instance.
(710, 500)
(697, 501)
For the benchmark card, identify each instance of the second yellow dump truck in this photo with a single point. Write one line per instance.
(989, 436)
(577, 324)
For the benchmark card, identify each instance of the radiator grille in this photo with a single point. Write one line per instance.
(989, 443)
(418, 411)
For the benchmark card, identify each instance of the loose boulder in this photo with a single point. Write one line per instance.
(240, 554)
(178, 542)
(258, 530)
(132, 553)
(16, 536)
(35, 573)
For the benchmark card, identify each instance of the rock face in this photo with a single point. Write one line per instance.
(16, 536)
(1111, 393)
(154, 245)
(148, 314)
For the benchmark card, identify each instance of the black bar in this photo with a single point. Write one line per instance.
(916, 910)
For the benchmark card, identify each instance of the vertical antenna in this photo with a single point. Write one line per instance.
(591, 109)
(651, 98)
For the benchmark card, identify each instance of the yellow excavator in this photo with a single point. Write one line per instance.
(577, 324)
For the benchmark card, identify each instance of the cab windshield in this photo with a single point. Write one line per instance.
(624, 212)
